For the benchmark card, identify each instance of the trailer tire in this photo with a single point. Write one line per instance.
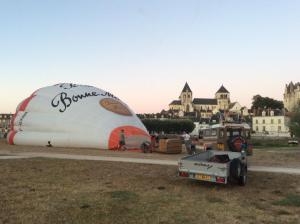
(243, 178)
(235, 169)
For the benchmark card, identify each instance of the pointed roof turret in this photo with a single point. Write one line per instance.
(186, 88)
(222, 90)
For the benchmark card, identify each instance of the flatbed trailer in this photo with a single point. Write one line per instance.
(215, 166)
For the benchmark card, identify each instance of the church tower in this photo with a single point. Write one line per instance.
(223, 98)
(186, 98)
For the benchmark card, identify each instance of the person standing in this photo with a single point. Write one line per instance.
(5, 133)
(187, 142)
(122, 143)
(194, 143)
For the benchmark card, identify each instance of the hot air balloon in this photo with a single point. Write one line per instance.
(71, 115)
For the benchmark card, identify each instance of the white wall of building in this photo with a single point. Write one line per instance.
(245, 111)
(236, 108)
(270, 124)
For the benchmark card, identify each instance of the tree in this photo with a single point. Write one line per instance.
(169, 125)
(265, 102)
(295, 123)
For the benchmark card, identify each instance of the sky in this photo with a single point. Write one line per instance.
(144, 51)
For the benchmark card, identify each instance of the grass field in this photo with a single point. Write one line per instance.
(65, 191)
(284, 157)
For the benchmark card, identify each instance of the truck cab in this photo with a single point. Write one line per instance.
(227, 137)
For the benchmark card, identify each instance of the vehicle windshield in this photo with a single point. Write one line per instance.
(234, 132)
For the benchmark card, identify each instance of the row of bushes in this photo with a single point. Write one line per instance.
(169, 126)
(269, 142)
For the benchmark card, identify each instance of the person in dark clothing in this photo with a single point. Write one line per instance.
(49, 144)
(122, 143)
(193, 146)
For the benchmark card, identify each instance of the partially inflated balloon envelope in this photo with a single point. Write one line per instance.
(70, 115)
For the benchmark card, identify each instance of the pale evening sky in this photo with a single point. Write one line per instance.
(145, 51)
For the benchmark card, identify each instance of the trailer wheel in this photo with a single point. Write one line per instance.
(235, 169)
(243, 178)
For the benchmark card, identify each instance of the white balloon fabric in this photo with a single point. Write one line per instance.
(71, 115)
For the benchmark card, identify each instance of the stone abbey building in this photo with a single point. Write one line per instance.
(292, 96)
(201, 107)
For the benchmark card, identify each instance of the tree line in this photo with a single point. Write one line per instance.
(171, 126)
(259, 101)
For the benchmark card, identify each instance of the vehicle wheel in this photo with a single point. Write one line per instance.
(243, 178)
(235, 143)
(235, 169)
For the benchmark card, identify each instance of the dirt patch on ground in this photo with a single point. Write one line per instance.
(66, 191)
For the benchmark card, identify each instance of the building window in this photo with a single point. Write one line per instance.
(214, 132)
(272, 121)
(264, 121)
(207, 133)
(256, 128)
(279, 121)
(187, 108)
(279, 128)
(256, 121)
(264, 128)
(221, 133)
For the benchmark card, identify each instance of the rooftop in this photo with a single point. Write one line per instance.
(186, 88)
(222, 90)
(175, 102)
(205, 101)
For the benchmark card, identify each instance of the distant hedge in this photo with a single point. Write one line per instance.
(170, 126)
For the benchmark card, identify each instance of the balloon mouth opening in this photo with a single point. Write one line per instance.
(134, 137)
